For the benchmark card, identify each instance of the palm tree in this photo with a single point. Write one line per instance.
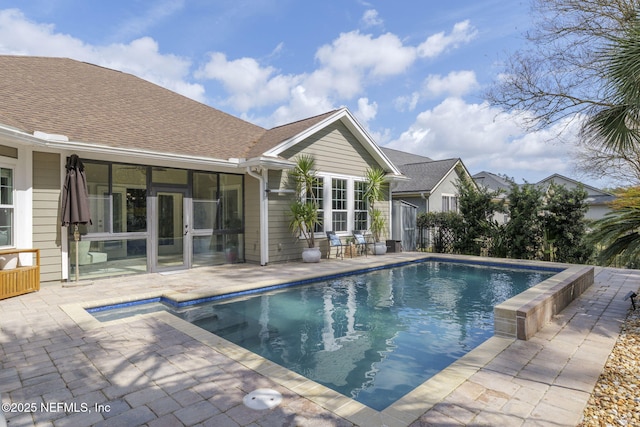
(619, 231)
(304, 209)
(374, 181)
(615, 126)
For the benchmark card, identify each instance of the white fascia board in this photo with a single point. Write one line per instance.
(452, 169)
(58, 142)
(352, 124)
(267, 163)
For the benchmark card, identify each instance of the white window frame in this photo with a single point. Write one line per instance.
(449, 198)
(327, 213)
(12, 236)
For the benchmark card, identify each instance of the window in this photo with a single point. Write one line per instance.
(6, 207)
(318, 190)
(449, 203)
(359, 206)
(339, 206)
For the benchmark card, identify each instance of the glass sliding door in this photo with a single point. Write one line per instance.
(172, 229)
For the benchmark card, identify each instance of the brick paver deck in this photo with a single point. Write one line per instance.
(56, 371)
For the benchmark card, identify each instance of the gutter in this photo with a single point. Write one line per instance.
(264, 212)
(61, 142)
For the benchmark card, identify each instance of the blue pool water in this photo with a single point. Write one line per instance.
(373, 337)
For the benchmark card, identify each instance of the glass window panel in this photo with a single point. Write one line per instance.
(6, 226)
(218, 249)
(108, 258)
(6, 211)
(231, 196)
(97, 175)
(339, 221)
(360, 206)
(339, 194)
(129, 198)
(6, 186)
(205, 203)
(169, 176)
(318, 191)
(360, 221)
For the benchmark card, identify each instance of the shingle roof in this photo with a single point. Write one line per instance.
(424, 176)
(398, 157)
(97, 105)
(492, 181)
(279, 134)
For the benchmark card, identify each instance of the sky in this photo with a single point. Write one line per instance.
(413, 72)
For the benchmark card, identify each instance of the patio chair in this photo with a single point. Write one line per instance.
(335, 242)
(361, 243)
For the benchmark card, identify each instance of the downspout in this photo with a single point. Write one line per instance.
(264, 214)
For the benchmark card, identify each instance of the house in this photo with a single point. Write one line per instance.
(597, 200)
(432, 183)
(499, 185)
(173, 183)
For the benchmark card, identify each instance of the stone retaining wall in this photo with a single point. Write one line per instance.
(525, 314)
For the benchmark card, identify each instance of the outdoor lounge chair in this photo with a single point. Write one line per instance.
(361, 243)
(335, 242)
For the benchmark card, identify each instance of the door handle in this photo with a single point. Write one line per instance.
(186, 230)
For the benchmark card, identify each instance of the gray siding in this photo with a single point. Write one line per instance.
(336, 150)
(252, 219)
(46, 222)
(283, 245)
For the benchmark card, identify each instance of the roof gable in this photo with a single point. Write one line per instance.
(279, 139)
(425, 176)
(403, 158)
(571, 183)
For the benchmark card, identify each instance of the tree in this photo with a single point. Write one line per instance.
(523, 232)
(477, 207)
(439, 230)
(564, 225)
(618, 233)
(304, 209)
(616, 125)
(561, 72)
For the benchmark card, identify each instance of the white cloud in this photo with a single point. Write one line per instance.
(485, 138)
(249, 85)
(463, 32)
(366, 111)
(456, 83)
(370, 18)
(375, 57)
(406, 103)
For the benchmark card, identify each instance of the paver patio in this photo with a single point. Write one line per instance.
(155, 371)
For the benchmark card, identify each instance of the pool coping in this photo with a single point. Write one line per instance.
(401, 413)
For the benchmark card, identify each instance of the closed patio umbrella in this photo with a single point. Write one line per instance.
(75, 200)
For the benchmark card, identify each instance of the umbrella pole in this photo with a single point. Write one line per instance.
(76, 237)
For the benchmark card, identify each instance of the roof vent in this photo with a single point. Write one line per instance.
(50, 136)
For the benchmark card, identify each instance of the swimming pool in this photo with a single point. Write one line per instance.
(372, 337)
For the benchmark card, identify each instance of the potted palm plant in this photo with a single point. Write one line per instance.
(374, 180)
(304, 209)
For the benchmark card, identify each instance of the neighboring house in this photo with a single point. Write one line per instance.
(597, 200)
(173, 183)
(499, 185)
(432, 183)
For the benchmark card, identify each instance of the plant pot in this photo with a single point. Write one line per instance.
(379, 248)
(311, 255)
